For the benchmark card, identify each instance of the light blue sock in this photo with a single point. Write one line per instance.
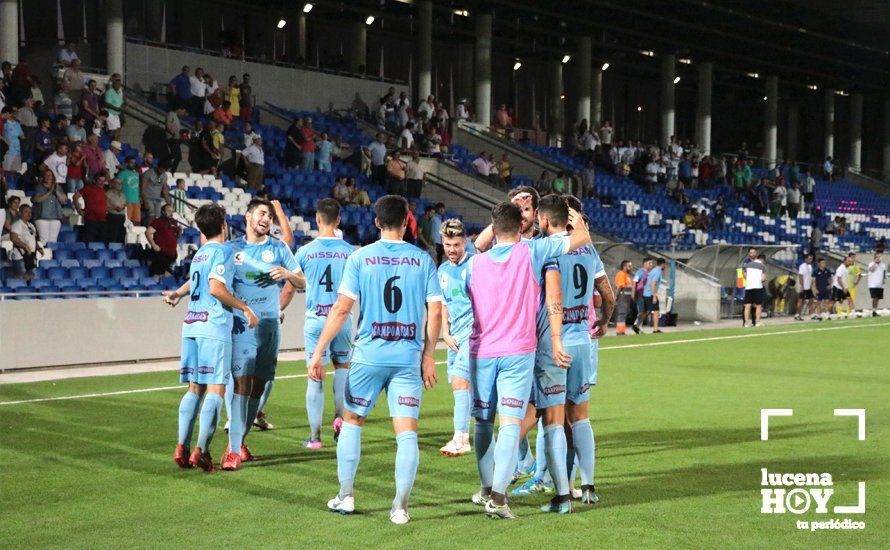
(188, 411)
(314, 407)
(571, 462)
(506, 451)
(230, 391)
(339, 390)
(482, 441)
(253, 407)
(237, 412)
(265, 397)
(208, 420)
(349, 451)
(540, 454)
(525, 453)
(585, 447)
(462, 411)
(555, 448)
(407, 457)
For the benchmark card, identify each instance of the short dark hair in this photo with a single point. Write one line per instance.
(555, 208)
(647, 259)
(210, 219)
(256, 203)
(574, 203)
(624, 263)
(329, 210)
(660, 261)
(820, 260)
(536, 197)
(761, 257)
(506, 218)
(391, 211)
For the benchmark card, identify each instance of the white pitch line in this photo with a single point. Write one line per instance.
(629, 346)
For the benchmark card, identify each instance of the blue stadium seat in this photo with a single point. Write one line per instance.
(78, 272)
(120, 273)
(57, 273)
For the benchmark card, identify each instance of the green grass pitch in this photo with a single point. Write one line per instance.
(678, 457)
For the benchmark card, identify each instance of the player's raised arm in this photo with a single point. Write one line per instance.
(485, 239)
(287, 234)
(579, 234)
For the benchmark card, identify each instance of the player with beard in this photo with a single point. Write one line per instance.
(457, 322)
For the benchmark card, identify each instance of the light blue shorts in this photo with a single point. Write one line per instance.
(206, 361)
(580, 373)
(255, 351)
(501, 383)
(594, 360)
(403, 385)
(549, 387)
(459, 361)
(340, 349)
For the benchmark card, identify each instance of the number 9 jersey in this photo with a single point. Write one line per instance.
(393, 281)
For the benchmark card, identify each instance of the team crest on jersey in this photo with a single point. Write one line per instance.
(393, 332)
(220, 269)
(239, 258)
(268, 256)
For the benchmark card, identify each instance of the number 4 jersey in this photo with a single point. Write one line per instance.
(322, 261)
(206, 316)
(393, 281)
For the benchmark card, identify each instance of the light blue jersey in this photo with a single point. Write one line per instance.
(206, 316)
(393, 281)
(654, 276)
(452, 280)
(578, 270)
(322, 261)
(252, 282)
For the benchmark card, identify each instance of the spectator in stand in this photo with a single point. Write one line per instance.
(652, 170)
(606, 133)
(210, 154)
(76, 168)
(255, 159)
(416, 175)
(809, 188)
(425, 231)
(68, 53)
(62, 104)
(877, 273)
(481, 165)
(37, 95)
(213, 97)
(59, 130)
(3, 90)
(688, 219)
(43, 141)
(246, 98)
(340, 192)
(94, 157)
(173, 133)
(233, 96)
(293, 146)
(49, 198)
(25, 247)
(154, 192)
(130, 187)
(116, 204)
(198, 93)
(623, 296)
(28, 119)
(436, 227)
(77, 132)
(12, 137)
(828, 169)
(20, 83)
(323, 150)
(719, 215)
(357, 195)
(544, 186)
(177, 198)
(793, 198)
(376, 154)
(163, 234)
(503, 120)
(307, 146)
(561, 183)
(403, 109)
(411, 229)
(114, 102)
(110, 156)
(89, 104)
(180, 90)
(249, 134)
(433, 142)
(73, 80)
(94, 211)
(426, 108)
(760, 197)
(406, 138)
(588, 179)
(780, 199)
(463, 112)
(57, 164)
(396, 172)
(13, 206)
(505, 170)
(223, 116)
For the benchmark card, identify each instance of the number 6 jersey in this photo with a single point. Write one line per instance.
(322, 261)
(393, 281)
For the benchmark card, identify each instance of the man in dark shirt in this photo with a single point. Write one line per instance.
(94, 210)
(180, 90)
(43, 141)
(294, 145)
(162, 235)
(246, 102)
(822, 276)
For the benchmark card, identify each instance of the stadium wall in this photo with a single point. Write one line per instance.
(50, 333)
(281, 86)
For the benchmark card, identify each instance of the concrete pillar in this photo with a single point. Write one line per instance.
(596, 106)
(829, 123)
(792, 131)
(856, 131)
(360, 48)
(557, 119)
(668, 109)
(9, 31)
(886, 145)
(424, 50)
(703, 113)
(584, 53)
(483, 68)
(114, 36)
(301, 38)
(770, 121)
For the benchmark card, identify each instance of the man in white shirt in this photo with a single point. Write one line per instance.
(255, 159)
(23, 235)
(406, 139)
(463, 113)
(839, 283)
(57, 163)
(606, 133)
(199, 91)
(805, 284)
(426, 108)
(828, 168)
(482, 166)
(376, 154)
(68, 54)
(415, 175)
(110, 156)
(755, 276)
(249, 134)
(877, 272)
